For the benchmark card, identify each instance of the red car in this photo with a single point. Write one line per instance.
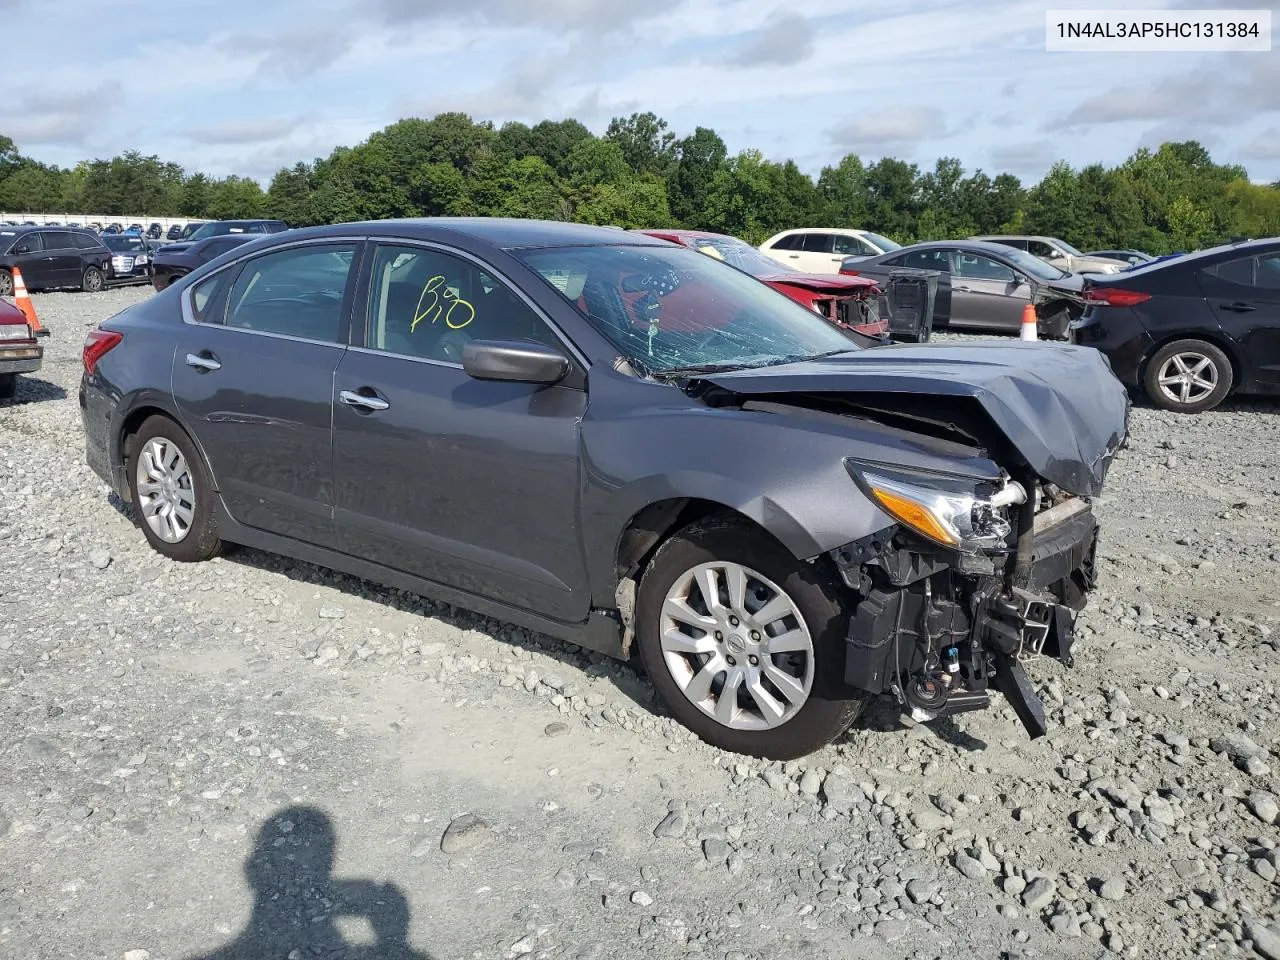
(19, 352)
(848, 302)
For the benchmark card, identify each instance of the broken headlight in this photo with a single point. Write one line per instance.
(944, 509)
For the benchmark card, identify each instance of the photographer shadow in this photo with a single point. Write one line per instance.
(297, 902)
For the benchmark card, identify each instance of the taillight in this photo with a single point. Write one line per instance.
(96, 345)
(1115, 296)
(846, 272)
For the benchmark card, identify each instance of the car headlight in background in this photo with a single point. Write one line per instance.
(15, 331)
(140, 261)
(942, 510)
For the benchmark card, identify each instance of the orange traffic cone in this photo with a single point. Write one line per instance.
(22, 300)
(1029, 322)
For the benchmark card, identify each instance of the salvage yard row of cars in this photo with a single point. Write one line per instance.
(724, 466)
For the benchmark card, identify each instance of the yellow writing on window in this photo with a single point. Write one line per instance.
(439, 301)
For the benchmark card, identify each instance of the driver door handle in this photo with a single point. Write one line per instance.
(353, 399)
(1238, 307)
(963, 289)
(204, 362)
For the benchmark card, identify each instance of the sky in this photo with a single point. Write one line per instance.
(230, 86)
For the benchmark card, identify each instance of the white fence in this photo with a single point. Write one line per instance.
(84, 219)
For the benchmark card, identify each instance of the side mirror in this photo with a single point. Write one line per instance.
(519, 361)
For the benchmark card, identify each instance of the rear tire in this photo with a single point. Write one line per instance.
(1188, 376)
(92, 281)
(6, 283)
(175, 507)
(809, 640)
(8, 385)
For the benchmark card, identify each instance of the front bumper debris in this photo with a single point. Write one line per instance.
(940, 639)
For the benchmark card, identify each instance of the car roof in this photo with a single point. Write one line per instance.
(687, 234)
(501, 232)
(974, 246)
(1243, 248)
(848, 231)
(1013, 236)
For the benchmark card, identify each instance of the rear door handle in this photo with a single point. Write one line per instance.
(204, 361)
(1238, 307)
(793, 256)
(963, 289)
(353, 399)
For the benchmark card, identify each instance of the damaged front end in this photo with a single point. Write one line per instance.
(968, 582)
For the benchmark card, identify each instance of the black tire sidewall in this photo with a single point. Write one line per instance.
(84, 281)
(8, 385)
(832, 705)
(1151, 376)
(201, 541)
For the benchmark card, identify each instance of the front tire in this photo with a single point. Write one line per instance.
(1188, 376)
(6, 283)
(172, 492)
(92, 281)
(744, 643)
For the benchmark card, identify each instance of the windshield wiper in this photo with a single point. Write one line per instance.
(697, 368)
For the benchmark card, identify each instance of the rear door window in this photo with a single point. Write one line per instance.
(58, 240)
(927, 260)
(294, 293)
(818, 243)
(1239, 271)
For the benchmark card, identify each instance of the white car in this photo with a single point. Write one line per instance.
(821, 249)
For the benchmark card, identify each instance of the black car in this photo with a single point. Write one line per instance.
(1192, 330)
(130, 257)
(155, 231)
(175, 260)
(615, 440)
(51, 257)
(982, 285)
(174, 233)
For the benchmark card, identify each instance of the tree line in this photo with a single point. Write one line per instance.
(640, 173)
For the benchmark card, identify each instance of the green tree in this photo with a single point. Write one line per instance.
(893, 198)
(289, 196)
(234, 198)
(647, 145)
(843, 192)
(701, 155)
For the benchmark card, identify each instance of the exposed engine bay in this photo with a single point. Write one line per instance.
(939, 630)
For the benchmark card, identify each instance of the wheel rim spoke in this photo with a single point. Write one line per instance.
(709, 584)
(770, 708)
(735, 579)
(675, 641)
(700, 686)
(678, 609)
(777, 608)
(727, 703)
(793, 641)
(787, 685)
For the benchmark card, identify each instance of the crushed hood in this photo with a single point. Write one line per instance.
(1059, 406)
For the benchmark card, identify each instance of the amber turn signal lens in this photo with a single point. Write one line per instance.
(915, 516)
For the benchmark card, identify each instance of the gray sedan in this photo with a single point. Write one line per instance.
(984, 286)
(623, 443)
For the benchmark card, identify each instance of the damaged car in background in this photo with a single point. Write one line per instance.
(984, 286)
(616, 441)
(851, 303)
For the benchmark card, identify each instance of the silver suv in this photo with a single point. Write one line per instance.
(1059, 253)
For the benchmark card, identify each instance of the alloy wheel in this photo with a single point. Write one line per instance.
(737, 646)
(1188, 377)
(164, 486)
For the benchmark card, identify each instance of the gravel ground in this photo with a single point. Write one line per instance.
(258, 758)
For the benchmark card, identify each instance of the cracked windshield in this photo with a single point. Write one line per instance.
(669, 310)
